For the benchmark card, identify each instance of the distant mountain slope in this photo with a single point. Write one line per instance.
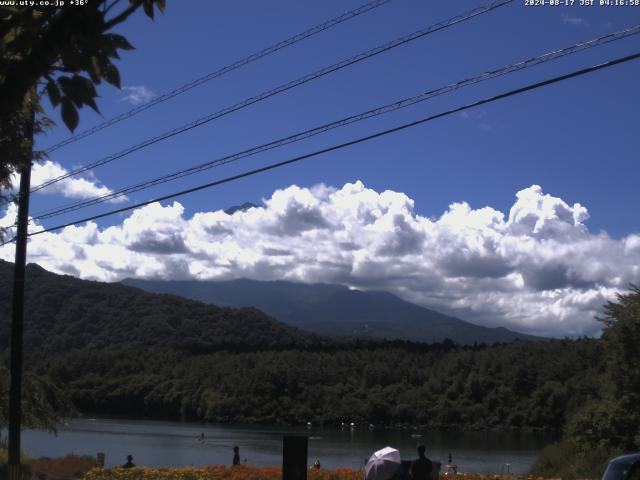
(64, 313)
(335, 310)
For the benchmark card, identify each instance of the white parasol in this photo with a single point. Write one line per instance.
(382, 465)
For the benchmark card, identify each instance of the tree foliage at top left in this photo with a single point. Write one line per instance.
(62, 53)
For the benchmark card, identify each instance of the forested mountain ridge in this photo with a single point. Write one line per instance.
(115, 349)
(335, 310)
(64, 313)
(586, 389)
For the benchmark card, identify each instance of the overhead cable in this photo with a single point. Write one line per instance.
(282, 88)
(366, 138)
(222, 71)
(521, 65)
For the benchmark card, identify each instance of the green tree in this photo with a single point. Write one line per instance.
(62, 53)
(612, 423)
(44, 403)
(609, 424)
(59, 52)
(621, 336)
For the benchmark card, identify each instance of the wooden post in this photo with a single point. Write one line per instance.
(17, 318)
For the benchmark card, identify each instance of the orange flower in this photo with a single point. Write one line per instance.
(219, 472)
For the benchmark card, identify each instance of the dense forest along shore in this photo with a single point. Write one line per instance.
(176, 444)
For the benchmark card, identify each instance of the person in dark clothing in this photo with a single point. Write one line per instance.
(129, 463)
(421, 469)
(236, 455)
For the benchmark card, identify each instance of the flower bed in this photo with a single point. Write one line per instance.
(71, 466)
(214, 472)
(247, 473)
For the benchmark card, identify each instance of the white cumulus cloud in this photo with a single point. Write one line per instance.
(575, 21)
(536, 268)
(72, 187)
(136, 94)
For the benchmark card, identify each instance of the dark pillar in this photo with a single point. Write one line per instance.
(294, 457)
(15, 390)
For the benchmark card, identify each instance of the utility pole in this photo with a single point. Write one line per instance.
(17, 318)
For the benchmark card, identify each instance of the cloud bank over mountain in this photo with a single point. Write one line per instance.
(537, 269)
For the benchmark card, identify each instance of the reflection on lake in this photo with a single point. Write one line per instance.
(164, 443)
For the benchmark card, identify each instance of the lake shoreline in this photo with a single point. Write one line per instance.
(176, 444)
(358, 425)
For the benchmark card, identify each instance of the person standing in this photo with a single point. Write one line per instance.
(421, 469)
(129, 463)
(236, 455)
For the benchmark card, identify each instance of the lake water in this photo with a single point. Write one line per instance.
(164, 443)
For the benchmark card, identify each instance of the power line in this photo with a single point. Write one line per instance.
(282, 88)
(222, 71)
(382, 133)
(530, 62)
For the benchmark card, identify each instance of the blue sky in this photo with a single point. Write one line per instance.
(577, 141)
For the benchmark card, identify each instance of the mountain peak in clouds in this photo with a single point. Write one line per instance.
(335, 310)
(534, 267)
(241, 208)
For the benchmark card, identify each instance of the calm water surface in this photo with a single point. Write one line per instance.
(164, 443)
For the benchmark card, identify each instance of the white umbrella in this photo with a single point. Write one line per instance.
(382, 465)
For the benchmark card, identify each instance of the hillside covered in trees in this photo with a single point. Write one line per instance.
(64, 313)
(517, 386)
(113, 349)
